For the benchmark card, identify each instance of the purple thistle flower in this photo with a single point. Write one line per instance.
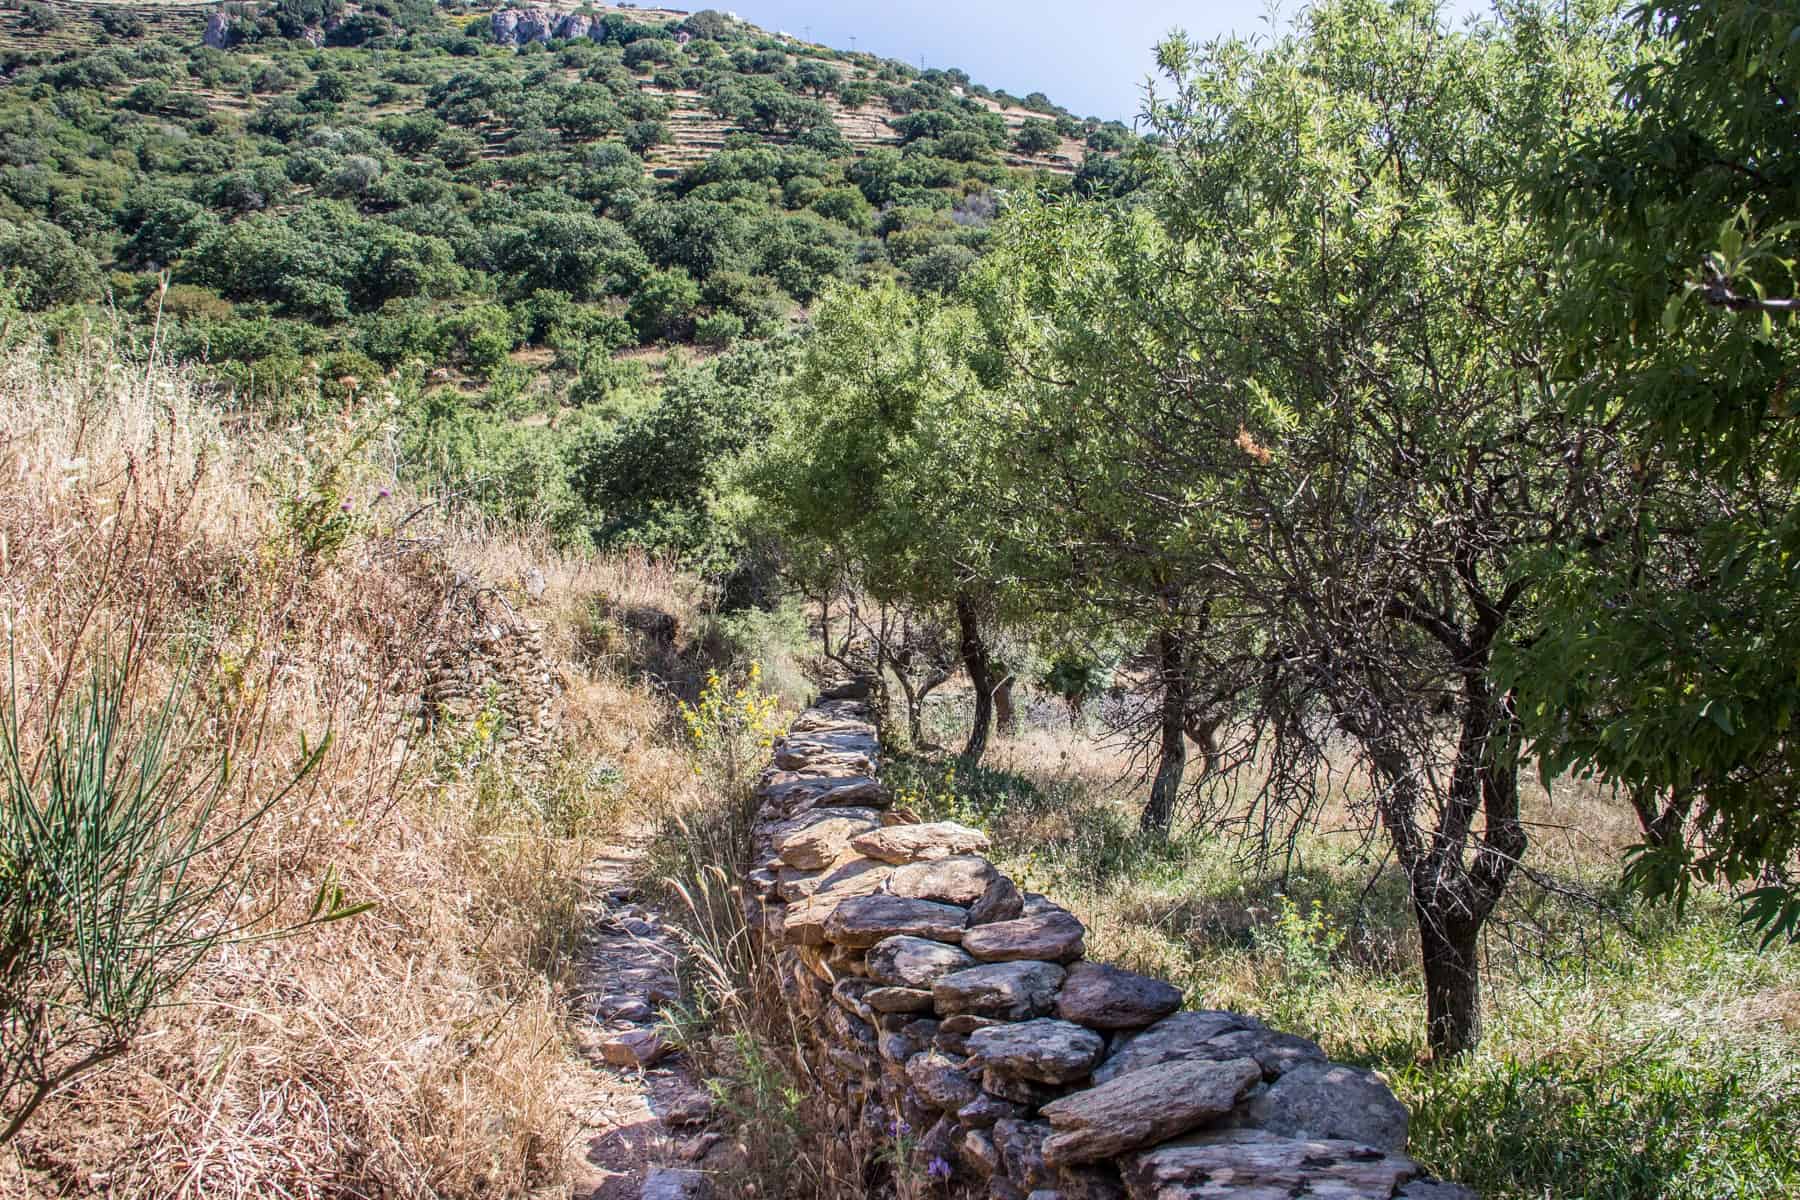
(898, 1128)
(383, 494)
(345, 506)
(938, 1168)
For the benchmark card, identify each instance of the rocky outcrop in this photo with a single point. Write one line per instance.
(521, 26)
(218, 30)
(955, 1018)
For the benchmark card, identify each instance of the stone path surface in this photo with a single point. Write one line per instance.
(643, 1120)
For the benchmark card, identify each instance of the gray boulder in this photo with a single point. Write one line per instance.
(1043, 1051)
(1106, 997)
(1185, 1035)
(1330, 1101)
(1054, 936)
(961, 879)
(1255, 1165)
(1010, 991)
(865, 920)
(901, 844)
(1144, 1107)
(913, 962)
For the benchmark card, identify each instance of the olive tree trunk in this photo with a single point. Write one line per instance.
(1172, 723)
(980, 667)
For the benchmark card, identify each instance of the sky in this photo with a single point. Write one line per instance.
(1091, 58)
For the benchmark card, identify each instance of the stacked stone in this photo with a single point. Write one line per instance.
(484, 655)
(943, 1000)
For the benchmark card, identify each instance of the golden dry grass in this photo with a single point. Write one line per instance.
(415, 1050)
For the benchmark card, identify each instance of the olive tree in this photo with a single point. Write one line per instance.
(1338, 422)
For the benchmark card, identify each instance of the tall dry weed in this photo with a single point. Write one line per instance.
(415, 1050)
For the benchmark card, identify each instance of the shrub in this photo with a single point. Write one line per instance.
(103, 912)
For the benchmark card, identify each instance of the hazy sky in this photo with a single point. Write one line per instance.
(1089, 57)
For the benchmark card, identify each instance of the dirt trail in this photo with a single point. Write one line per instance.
(642, 1117)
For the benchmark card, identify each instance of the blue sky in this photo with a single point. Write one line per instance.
(1091, 58)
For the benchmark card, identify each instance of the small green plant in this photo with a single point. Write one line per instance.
(120, 871)
(1303, 940)
(731, 728)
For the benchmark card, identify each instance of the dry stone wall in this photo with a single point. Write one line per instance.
(955, 1014)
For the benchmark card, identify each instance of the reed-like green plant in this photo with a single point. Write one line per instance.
(122, 866)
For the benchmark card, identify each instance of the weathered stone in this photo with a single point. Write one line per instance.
(822, 837)
(898, 1000)
(1043, 1051)
(1021, 1146)
(962, 879)
(1043, 1194)
(865, 920)
(1330, 1101)
(848, 995)
(803, 923)
(849, 1029)
(979, 1153)
(898, 1047)
(940, 1080)
(1143, 1107)
(1098, 1182)
(685, 1109)
(846, 960)
(1106, 997)
(676, 1183)
(1277, 1053)
(984, 1110)
(915, 843)
(1012, 1089)
(953, 1034)
(1048, 937)
(1002, 1188)
(1185, 1035)
(633, 1048)
(1001, 902)
(913, 962)
(1250, 1164)
(1012, 991)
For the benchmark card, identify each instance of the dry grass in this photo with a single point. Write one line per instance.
(415, 1050)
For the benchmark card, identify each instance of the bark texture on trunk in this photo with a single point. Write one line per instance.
(1159, 810)
(981, 677)
(1006, 717)
(1451, 951)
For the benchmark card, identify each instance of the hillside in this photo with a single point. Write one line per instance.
(505, 230)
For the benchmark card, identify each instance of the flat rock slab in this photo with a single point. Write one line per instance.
(633, 1048)
(1332, 1101)
(1008, 991)
(1106, 997)
(1144, 1107)
(941, 1082)
(898, 1000)
(902, 844)
(676, 1183)
(803, 924)
(1278, 1053)
(1184, 1035)
(913, 962)
(1048, 937)
(822, 838)
(960, 879)
(1043, 1050)
(865, 920)
(1249, 1164)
